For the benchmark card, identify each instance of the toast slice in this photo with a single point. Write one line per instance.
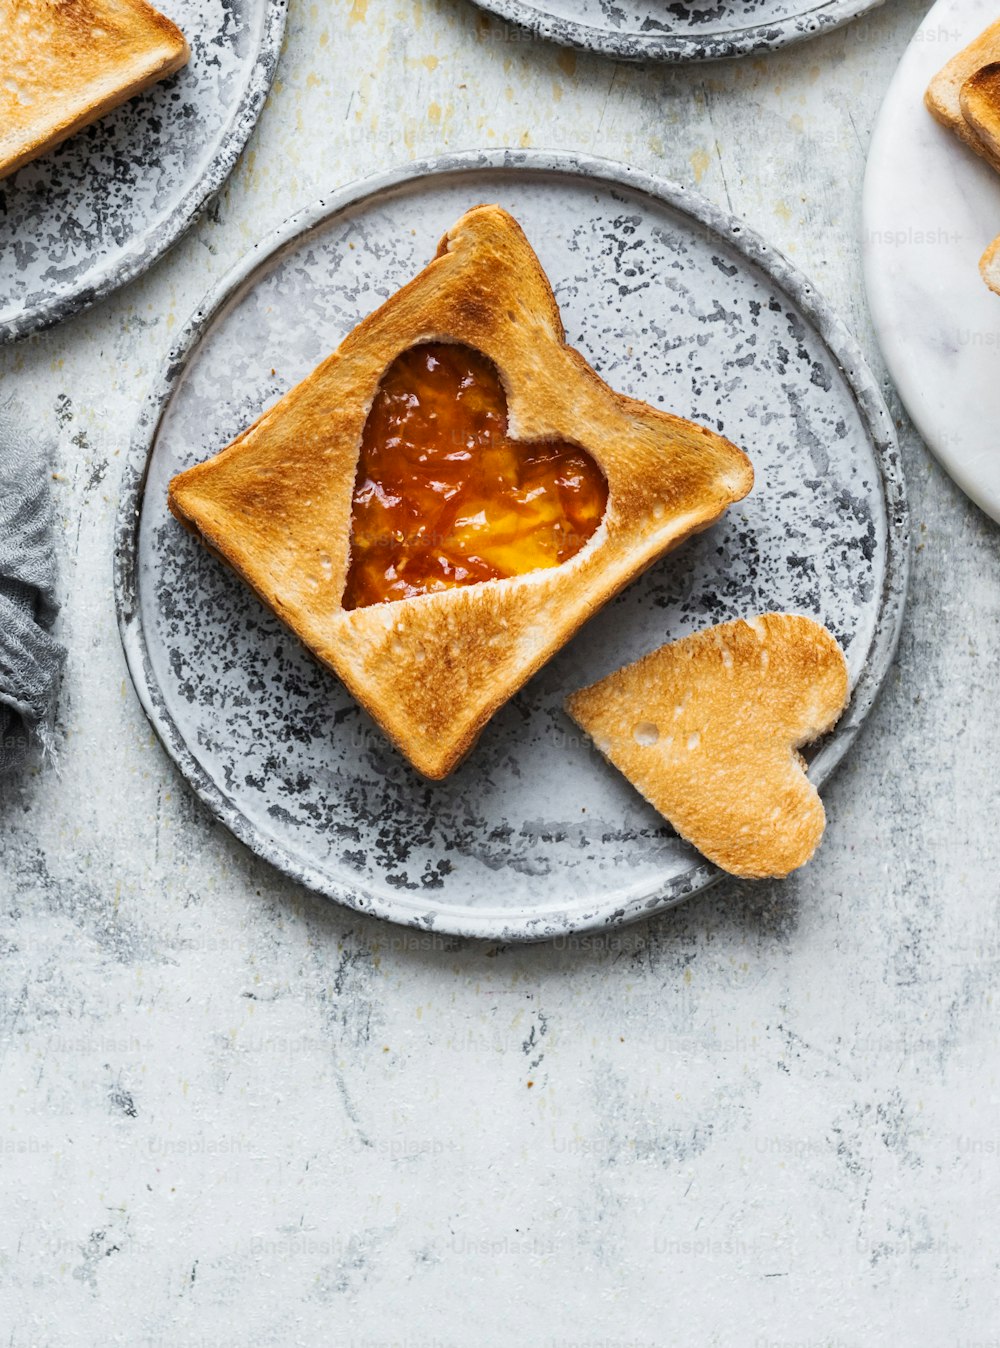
(276, 503)
(989, 266)
(707, 729)
(979, 98)
(944, 93)
(65, 63)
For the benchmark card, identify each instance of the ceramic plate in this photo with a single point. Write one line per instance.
(534, 834)
(657, 30)
(930, 208)
(103, 206)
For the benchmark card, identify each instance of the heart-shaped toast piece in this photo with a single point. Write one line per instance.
(278, 502)
(444, 496)
(708, 729)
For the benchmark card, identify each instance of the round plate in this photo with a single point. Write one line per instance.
(930, 208)
(534, 834)
(655, 30)
(99, 209)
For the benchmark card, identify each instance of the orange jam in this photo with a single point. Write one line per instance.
(445, 497)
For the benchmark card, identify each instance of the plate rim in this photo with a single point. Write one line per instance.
(877, 293)
(145, 249)
(465, 921)
(822, 17)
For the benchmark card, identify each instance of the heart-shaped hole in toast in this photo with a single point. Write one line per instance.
(444, 496)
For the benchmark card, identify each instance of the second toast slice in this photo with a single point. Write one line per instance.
(944, 93)
(989, 266)
(65, 63)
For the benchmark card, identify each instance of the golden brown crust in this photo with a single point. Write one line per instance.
(979, 97)
(68, 62)
(989, 266)
(707, 730)
(276, 502)
(944, 93)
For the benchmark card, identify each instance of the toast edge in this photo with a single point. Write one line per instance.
(942, 97)
(151, 67)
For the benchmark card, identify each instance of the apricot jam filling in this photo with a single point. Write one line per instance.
(444, 496)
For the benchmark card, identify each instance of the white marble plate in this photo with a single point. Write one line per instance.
(99, 209)
(534, 834)
(930, 208)
(677, 30)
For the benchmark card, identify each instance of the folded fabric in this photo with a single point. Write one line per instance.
(31, 659)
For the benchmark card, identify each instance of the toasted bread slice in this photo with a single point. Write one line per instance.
(68, 62)
(277, 502)
(989, 266)
(980, 101)
(944, 93)
(707, 730)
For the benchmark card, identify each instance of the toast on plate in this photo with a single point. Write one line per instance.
(989, 266)
(68, 62)
(944, 93)
(286, 504)
(708, 729)
(980, 102)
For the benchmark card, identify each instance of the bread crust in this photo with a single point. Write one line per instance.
(276, 503)
(989, 266)
(708, 729)
(68, 62)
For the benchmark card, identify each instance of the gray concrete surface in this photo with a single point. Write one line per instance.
(231, 1113)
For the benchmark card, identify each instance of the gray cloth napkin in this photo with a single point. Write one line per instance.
(31, 659)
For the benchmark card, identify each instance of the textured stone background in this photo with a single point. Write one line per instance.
(234, 1114)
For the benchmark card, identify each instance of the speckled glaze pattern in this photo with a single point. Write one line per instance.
(99, 209)
(534, 835)
(654, 30)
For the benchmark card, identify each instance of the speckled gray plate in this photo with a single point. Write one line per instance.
(677, 30)
(534, 834)
(99, 209)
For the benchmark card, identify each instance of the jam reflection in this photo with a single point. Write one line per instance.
(443, 495)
